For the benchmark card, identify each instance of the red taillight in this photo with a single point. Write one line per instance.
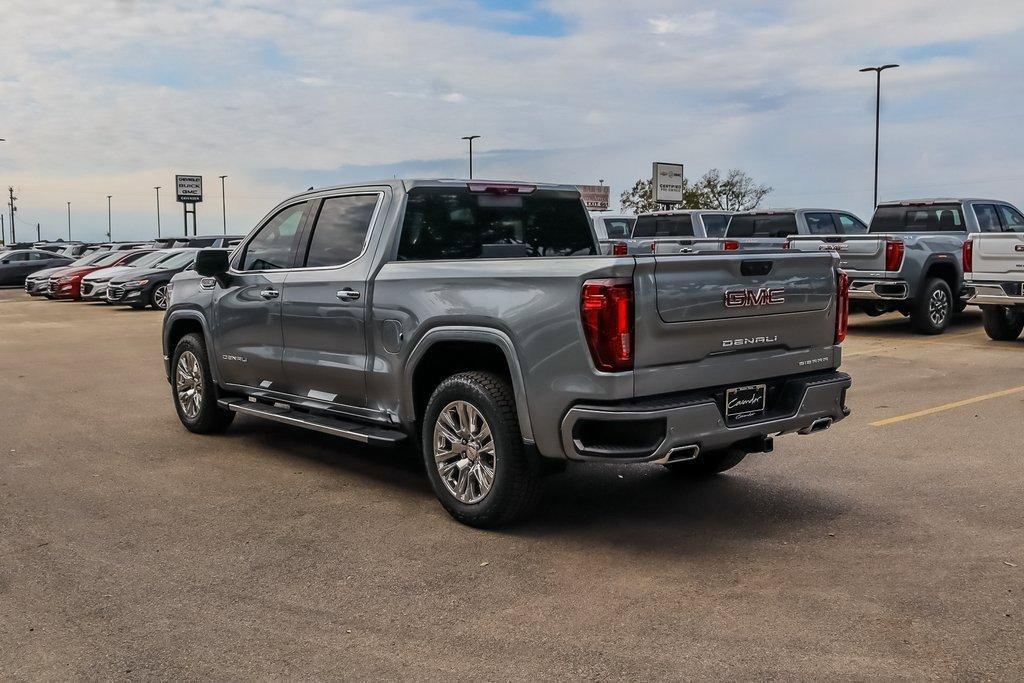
(501, 188)
(842, 306)
(968, 254)
(606, 307)
(893, 254)
(787, 245)
(731, 245)
(619, 249)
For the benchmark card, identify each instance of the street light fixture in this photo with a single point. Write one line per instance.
(470, 138)
(157, 188)
(878, 108)
(223, 204)
(108, 218)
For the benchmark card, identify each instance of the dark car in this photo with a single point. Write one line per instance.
(148, 286)
(17, 264)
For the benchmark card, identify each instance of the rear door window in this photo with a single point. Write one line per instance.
(988, 218)
(918, 218)
(850, 225)
(458, 223)
(273, 247)
(340, 230)
(1012, 220)
(664, 226)
(820, 223)
(715, 225)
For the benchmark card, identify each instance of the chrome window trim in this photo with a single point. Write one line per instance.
(362, 252)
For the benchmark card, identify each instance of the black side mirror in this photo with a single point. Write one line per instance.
(212, 262)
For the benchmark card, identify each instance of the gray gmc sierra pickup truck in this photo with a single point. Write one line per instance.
(478, 321)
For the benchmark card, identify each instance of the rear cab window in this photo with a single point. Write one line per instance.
(500, 222)
(680, 225)
(918, 218)
(762, 225)
(715, 225)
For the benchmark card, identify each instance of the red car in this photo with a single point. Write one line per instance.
(67, 283)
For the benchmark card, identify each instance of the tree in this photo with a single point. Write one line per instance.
(737, 191)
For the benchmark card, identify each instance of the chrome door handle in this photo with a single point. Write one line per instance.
(270, 293)
(347, 294)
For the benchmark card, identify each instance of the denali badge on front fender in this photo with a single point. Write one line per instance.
(742, 298)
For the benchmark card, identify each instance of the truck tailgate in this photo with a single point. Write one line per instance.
(710, 319)
(856, 252)
(998, 256)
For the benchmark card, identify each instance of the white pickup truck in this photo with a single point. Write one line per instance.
(994, 269)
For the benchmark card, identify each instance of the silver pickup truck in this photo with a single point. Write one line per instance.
(761, 229)
(678, 231)
(910, 261)
(994, 268)
(478, 321)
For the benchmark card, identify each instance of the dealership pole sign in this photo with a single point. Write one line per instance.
(595, 197)
(189, 189)
(667, 183)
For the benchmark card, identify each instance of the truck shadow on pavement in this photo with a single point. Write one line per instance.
(895, 325)
(637, 504)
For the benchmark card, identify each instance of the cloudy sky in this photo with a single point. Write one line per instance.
(105, 97)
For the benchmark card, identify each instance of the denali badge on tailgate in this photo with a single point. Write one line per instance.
(741, 298)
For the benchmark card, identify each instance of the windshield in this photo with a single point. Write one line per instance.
(762, 225)
(109, 258)
(91, 258)
(457, 223)
(679, 225)
(178, 260)
(918, 218)
(151, 259)
(4, 253)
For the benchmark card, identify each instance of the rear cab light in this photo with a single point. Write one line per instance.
(842, 305)
(501, 188)
(968, 256)
(893, 255)
(606, 310)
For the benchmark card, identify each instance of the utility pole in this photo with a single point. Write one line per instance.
(69, 221)
(470, 138)
(157, 188)
(10, 191)
(108, 218)
(224, 204)
(878, 111)
(2, 231)
(38, 238)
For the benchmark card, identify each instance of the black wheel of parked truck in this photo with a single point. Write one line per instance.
(474, 452)
(193, 389)
(708, 463)
(1002, 323)
(934, 308)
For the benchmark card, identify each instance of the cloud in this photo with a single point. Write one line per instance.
(696, 24)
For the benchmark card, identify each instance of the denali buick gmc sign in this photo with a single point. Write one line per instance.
(189, 188)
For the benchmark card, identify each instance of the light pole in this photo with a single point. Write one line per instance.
(223, 204)
(157, 188)
(470, 138)
(878, 109)
(108, 218)
(69, 221)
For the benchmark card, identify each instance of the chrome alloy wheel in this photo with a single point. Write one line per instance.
(160, 297)
(188, 384)
(464, 452)
(938, 306)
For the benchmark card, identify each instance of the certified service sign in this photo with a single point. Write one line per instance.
(189, 188)
(667, 183)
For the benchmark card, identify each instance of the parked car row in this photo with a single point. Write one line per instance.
(908, 259)
(134, 274)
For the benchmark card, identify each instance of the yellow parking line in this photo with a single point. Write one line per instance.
(947, 406)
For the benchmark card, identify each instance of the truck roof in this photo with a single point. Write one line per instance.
(409, 183)
(940, 200)
(786, 210)
(683, 212)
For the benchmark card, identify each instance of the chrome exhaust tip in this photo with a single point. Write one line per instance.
(819, 425)
(682, 454)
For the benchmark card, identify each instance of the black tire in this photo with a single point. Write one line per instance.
(1002, 323)
(708, 463)
(157, 295)
(516, 480)
(934, 308)
(209, 418)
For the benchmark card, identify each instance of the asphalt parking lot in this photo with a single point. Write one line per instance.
(891, 546)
